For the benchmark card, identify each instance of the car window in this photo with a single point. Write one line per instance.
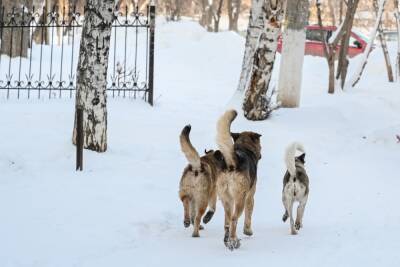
(315, 35)
(353, 42)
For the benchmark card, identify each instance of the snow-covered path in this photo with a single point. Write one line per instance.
(123, 209)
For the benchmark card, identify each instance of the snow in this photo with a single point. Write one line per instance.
(123, 209)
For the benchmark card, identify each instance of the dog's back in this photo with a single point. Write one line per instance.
(295, 181)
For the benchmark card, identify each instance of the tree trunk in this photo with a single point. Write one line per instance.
(41, 34)
(15, 40)
(293, 41)
(255, 27)
(384, 46)
(257, 104)
(332, 12)
(233, 14)
(92, 73)
(367, 52)
(206, 15)
(343, 61)
(217, 15)
(330, 46)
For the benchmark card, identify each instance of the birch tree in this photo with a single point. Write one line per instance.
(357, 76)
(293, 40)
(91, 93)
(257, 104)
(254, 29)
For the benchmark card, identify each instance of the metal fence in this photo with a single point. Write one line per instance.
(39, 53)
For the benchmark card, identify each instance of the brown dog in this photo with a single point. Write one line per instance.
(198, 183)
(236, 185)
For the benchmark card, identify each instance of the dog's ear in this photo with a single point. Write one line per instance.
(302, 158)
(255, 137)
(235, 136)
(208, 151)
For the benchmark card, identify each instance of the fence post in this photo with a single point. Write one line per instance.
(151, 51)
(79, 138)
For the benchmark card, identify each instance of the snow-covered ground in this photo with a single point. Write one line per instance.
(123, 209)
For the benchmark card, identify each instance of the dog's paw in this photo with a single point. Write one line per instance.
(285, 217)
(293, 232)
(186, 223)
(195, 234)
(232, 244)
(298, 225)
(248, 231)
(208, 216)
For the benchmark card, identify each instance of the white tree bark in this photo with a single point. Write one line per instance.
(92, 73)
(257, 104)
(293, 41)
(357, 76)
(255, 27)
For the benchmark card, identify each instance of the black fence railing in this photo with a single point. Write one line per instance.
(39, 53)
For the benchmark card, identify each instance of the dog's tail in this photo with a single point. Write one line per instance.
(224, 139)
(190, 152)
(290, 156)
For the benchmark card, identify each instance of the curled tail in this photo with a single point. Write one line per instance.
(190, 152)
(290, 157)
(224, 139)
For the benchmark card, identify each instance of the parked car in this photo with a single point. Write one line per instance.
(315, 46)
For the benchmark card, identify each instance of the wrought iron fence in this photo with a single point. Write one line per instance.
(39, 52)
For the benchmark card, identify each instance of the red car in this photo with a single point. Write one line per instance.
(315, 46)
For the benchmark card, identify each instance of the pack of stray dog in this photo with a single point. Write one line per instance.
(231, 174)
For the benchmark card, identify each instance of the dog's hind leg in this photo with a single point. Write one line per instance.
(248, 212)
(300, 213)
(289, 208)
(186, 211)
(201, 209)
(228, 215)
(212, 203)
(286, 214)
(234, 242)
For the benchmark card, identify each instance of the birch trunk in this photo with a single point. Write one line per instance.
(293, 41)
(256, 25)
(257, 104)
(92, 73)
(367, 52)
(383, 42)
